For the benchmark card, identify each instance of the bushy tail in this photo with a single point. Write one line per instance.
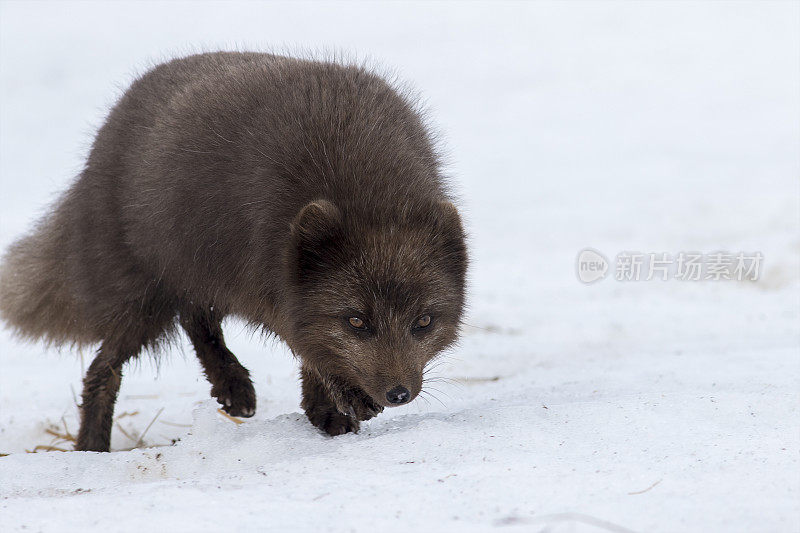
(35, 300)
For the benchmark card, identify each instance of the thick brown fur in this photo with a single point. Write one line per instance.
(291, 193)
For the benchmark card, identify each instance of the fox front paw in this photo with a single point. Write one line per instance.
(235, 393)
(332, 421)
(344, 414)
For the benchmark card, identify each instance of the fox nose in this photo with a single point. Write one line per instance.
(398, 395)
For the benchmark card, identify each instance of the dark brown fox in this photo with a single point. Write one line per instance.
(304, 197)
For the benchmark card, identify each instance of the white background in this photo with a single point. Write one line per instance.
(650, 406)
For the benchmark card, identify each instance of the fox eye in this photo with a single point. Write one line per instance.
(356, 322)
(422, 322)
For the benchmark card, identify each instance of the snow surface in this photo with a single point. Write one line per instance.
(650, 406)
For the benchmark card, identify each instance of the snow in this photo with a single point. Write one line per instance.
(621, 406)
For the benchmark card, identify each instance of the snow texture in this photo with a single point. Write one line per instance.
(617, 406)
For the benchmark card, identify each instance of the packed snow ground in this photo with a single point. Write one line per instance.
(649, 406)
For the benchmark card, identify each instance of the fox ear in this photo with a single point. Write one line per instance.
(452, 239)
(316, 221)
(314, 232)
(450, 215)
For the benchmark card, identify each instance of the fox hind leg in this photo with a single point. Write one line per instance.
(100, 389)
(133, 330)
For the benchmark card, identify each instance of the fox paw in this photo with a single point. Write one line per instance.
(332, 421)
(344, 414)
(236, 394)
(357, 404)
